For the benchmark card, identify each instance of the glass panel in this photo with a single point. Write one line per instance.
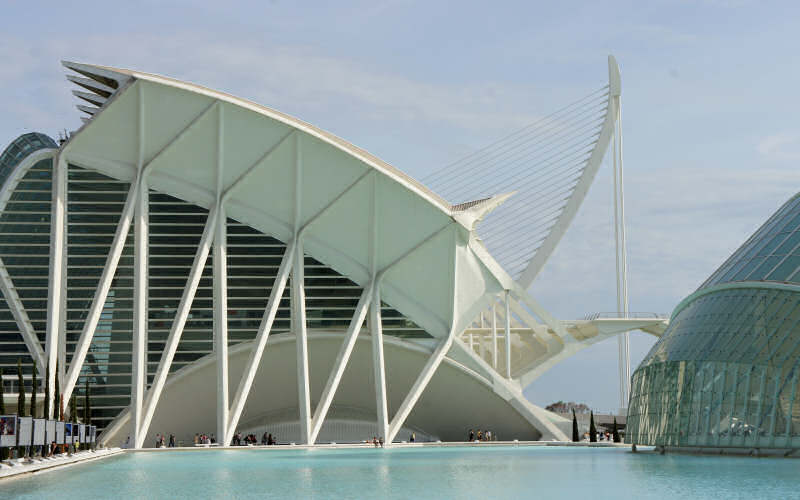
(785, 269)
(748, 268)
(789, 244)
(767, 266)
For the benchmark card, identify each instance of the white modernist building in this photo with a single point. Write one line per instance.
(209, 265)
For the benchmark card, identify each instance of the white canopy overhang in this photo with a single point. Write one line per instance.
(283, 176)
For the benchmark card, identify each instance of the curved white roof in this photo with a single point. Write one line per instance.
(281, 175)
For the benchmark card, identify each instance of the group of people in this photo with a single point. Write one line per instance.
(201, 439)
(481, 436)
(251, 440)
(204, 439)
(601, 436)
(160, 441)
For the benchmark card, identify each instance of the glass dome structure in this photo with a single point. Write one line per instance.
(20, 148)
(725, 373)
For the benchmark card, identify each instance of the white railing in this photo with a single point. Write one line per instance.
(628, 315)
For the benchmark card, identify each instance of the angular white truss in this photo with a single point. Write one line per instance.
(397, 240)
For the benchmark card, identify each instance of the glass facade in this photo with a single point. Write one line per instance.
(725, 372)
(95, 203)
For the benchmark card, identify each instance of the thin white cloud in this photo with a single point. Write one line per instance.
(781, 146)
(308, 81)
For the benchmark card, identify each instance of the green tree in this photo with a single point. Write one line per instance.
(34, 390)
(3, 451)
(87, 409)
(73, 410)
(2, 395)
(575, 436)
(21, 390)
(592, 429)
(58, 411)
(615, 432)
(46, 391)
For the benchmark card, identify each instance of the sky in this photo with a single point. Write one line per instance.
(709, 96)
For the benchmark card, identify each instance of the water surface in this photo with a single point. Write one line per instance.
(463, 472)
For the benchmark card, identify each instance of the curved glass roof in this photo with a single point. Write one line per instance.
(771, 254)
(21, 147)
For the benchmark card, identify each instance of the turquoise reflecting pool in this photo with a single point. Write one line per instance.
(541, 472)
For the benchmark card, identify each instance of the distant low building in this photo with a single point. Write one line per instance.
(562, 407)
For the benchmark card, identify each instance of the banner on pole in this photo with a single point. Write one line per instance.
(25, 431)
(59, 432)
(38, 431)
(8, 430)
(50, 430)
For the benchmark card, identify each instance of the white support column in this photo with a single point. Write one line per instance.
(340, 364)
(494, 335)
(376, 321)
(58, 244)
(508, 337)
(378, 365)
(140, 294)
(220, 264)
(62, 315)
(299, 327)
(621, 258)
(299, 303)
(243, 391)
(140, 308)
(103, 286)
(419, 385)
(181, 315)
(221, 324)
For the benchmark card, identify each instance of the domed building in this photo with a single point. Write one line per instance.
(724, 374)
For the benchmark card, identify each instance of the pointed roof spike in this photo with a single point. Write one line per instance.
(474, 211)
(87, 109)
(95, 99)
(92, 85)
(106, 76)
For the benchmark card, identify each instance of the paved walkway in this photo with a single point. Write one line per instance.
(20, 467)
